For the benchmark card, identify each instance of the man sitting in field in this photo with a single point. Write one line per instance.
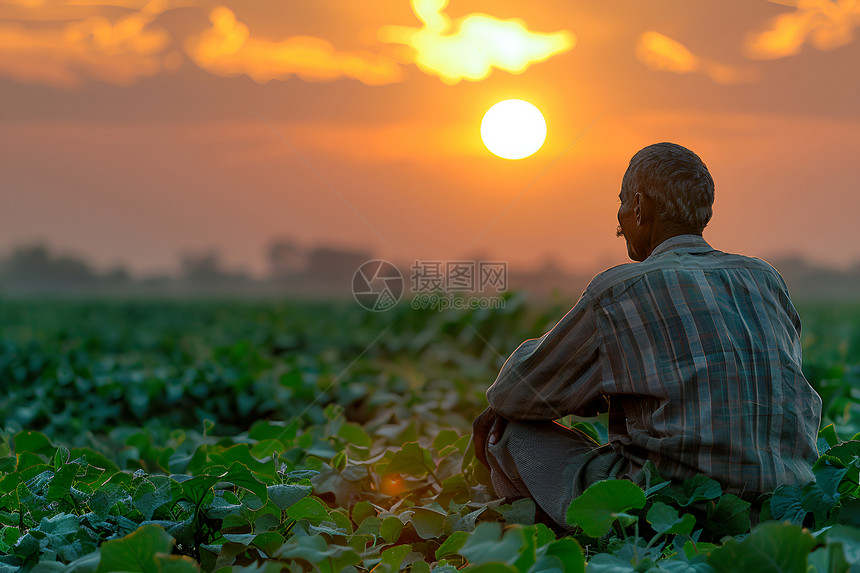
(695, 352)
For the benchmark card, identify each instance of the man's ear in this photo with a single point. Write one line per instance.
(643, 208)
(637, 207)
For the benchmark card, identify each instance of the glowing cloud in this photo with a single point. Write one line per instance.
(475, 45)
(826, 24)
(662, 53)
(227, 49)
(117, 52)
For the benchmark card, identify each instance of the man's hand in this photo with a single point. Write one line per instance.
(487, 428)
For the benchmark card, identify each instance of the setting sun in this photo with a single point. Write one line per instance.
(513, 129)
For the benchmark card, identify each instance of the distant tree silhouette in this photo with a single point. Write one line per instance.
(36, 266)
(333, 264)
(118, 275)
(205, 268)
(285, 258)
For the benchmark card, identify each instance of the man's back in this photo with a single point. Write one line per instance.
(703, 367)
(698, 352)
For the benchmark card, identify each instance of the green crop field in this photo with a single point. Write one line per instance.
(299, 436)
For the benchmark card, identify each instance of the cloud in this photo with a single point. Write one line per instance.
(117, 52)
(662, 53)
(62, 43)
(474, 45)
(227, 49)
(826, 24)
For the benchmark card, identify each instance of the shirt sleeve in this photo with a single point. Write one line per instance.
(555, 375)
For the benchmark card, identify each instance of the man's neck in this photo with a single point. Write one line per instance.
(659, 235)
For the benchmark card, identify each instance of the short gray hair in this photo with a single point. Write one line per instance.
(676, 179)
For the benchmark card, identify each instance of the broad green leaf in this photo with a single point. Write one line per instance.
(362, 510)
(821, 496)
(268, 542)
(846, 452)
(341, 519)
(467, 522)
(599, 505)
(136, 551)
(8, 464)
(827, 559)
(107, 496)
(34, 442)
(390, 529)
(308, 508)
(455, 484)
(443, 439)
(528, 555)
(61, 484)
(95, 458)
(354, 434)
(544, 534)
(696, 488)
(62, 524)
(264, 430)
(664, 519)
(569, 553)
(238, 456)
(26, 545)
(849, 539)
(313, 548)
(521, 511)
(28, 461)
(87, 564)
(452, 545)
(285, 495)
(153, 493)
(487, 545)
(428, 523)
(392, 558)
(770, 548)
(265, 448)
(828, 432)
(411, 459)
(459, 445)
(785, 504)
(729, 516)
(370, 525)
(196, 488)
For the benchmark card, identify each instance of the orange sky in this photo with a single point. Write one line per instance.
(132, 130)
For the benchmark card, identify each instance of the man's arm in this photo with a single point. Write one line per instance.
(555, 375)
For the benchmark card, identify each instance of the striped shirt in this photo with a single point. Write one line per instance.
(697, 354)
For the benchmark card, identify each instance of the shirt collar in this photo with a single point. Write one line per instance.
(686, 243)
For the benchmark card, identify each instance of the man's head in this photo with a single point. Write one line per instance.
(666, 191)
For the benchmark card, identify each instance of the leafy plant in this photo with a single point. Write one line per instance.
(144, 436)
